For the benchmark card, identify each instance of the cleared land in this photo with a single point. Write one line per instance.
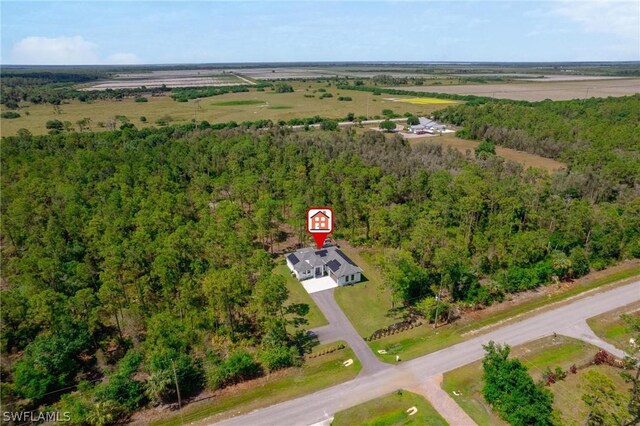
(611, 328)
(315, 374)
(468, 147)
(390, 410)
(537, 356)
(539, 91)
(169, 78)
(245, 106)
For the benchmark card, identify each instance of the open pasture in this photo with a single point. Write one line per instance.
(244, 106)
(539, 91)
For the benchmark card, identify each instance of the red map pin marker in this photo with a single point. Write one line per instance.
(320, 224)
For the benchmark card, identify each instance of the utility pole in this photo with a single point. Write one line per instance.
(175, 380)
(435, 323)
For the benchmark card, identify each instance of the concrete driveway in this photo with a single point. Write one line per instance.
(314, 285)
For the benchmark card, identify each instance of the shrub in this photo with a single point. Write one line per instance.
(283, 88)
(10, 114)
(143, 119)
(388, 125)
(412, 120)
(141, 99)
(164, 120)
(485, 148)
(279, 357)
(329, 125)
(55, 125)
(604, 357)
(344, 98)
(326, 95)
(238, 367)
(120, 387)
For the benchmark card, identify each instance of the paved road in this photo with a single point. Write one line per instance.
(321, 405)
(340, 328)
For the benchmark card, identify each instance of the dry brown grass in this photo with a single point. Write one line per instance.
(468, 147)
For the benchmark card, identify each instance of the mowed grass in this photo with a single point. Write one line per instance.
(467, 147)
(240, 102)
(612, 328)
(297, 294)
(366, 304)
(315, 374)
(425, 339)
(239, 107)
(560, 352)
(390, 410)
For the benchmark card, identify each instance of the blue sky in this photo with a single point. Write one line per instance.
(94, 32)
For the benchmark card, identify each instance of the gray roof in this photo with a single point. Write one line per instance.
(426, 123)
(338, 262)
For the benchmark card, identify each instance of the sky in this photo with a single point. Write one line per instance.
(163, 32)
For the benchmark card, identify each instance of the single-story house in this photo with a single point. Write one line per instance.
(311, 263)
(427, 126)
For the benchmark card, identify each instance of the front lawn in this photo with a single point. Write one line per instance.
(390, 410)
(297, 294)
(367, 304)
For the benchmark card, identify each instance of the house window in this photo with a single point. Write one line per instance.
(353, 277)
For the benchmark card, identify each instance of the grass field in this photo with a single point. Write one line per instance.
(425, 339)
(539, 91)
(468, 147)
(316, 374)
(366, 304)
(611, 327)
(536, 355)
(390, 410)
(297, 294)
(245, 106)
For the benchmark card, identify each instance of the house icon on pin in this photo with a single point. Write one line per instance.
(320, 222)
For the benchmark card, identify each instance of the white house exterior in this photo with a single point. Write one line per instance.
(427, 125)
(310, 263)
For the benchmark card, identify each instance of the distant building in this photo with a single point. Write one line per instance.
(427, 126)
(311, 263)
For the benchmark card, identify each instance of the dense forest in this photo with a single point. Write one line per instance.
(130, 253)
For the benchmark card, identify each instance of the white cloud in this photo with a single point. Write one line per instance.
(64, 51)
(617, 17)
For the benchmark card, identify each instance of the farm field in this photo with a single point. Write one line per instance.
(463, 145)
(536, 356)
(244, 106)
(170, 78)
(539, 91)
(390, 410)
